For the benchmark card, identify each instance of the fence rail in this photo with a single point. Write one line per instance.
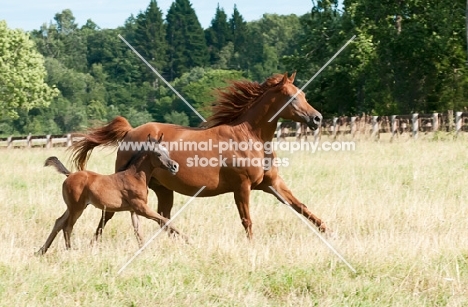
(355, 126)
(373, 126)
(44, 141)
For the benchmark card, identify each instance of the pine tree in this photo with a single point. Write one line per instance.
(186, 39)
(150, 39)
(239, 34)
(217, 35)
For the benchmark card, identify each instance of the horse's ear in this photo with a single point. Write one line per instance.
(285, 78)
(291, 78)
(161, 138)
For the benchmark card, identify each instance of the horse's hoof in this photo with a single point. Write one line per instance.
(323, 228)
(327, 232)
(40, 252)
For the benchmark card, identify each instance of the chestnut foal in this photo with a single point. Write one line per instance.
(126, 190)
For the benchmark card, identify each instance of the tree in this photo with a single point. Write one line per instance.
(150, 39)
(217, 35)
(63, 40)
(239, 35)
(177, 118)
(22, 74)
(270, 39)
(186, 39)
(419, 51)
(199, 89)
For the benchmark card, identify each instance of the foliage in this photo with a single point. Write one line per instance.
(218, 35)
(22, 74)
(408, 56)
(187, 45)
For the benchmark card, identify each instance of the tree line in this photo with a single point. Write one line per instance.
(408, 56)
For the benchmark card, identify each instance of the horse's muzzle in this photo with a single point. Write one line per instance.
(174, 168)
(314, 121)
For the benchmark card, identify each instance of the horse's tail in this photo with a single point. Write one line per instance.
(107, 135)
(55, 162)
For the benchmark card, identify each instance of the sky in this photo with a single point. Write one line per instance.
(31, 14)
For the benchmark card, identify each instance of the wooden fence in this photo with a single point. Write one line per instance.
(44, 141)
(370, 127)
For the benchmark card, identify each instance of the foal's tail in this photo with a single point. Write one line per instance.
(55, 162)
(107, 135)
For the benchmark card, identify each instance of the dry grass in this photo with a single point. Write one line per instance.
(399, 211)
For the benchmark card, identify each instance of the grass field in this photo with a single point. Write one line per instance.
(399, 212)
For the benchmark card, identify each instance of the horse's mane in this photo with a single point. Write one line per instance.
(236, 99)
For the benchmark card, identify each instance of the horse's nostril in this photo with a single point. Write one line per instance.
(317, 119)
(175, 167)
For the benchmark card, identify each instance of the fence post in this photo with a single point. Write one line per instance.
(353, 126)
(435, 121)
(48, 141)
(278, 131)
(458, 122)
(69, 140)
(9, 142)
(317, 133)
(415, 125)
(28, 141)
(335, 126)
(375, 128)
(299, 131)
(393, 124)
(450, 120)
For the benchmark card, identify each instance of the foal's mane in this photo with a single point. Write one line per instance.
(237, 98)
(136, 157)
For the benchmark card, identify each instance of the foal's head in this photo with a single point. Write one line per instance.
(159, 155)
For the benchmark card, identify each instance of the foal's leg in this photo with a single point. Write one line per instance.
(143, 210)
(105, 217)
(286, 195)
(59, 225)
(242, 197)
(67, 230)
(136, 228)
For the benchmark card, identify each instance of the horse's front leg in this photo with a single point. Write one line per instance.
(165, 200)
(242, 197)
(279, 189)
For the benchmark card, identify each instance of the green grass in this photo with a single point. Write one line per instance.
(398, 210)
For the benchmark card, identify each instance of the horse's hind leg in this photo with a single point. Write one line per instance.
(136, 228)
(59, 225)
(67, 230)
(242, 202)
(106, 216)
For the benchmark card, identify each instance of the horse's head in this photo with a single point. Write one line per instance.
(294, 106)
(160, 156)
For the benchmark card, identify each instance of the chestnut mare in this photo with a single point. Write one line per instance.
(125, 190)
(241, 114)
